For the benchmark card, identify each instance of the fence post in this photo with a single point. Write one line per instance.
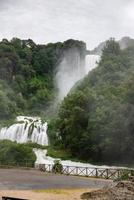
(118, 173)
(77, 171)
(86, 171)
(107, 173)
(96, 174)
(67, 170)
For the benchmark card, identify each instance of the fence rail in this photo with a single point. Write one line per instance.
(98, 172)
(25, 164)
(106, 173)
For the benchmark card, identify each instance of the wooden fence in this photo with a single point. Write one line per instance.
(106, 173)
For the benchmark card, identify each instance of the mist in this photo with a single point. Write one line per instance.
(71, 69)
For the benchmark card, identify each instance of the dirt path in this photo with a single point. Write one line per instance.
(55, 194)
(18, 179)
(37, 185)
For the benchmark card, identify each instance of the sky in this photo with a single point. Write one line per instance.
(44, 21)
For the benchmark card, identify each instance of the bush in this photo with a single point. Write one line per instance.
(57, 168)
(12, 153)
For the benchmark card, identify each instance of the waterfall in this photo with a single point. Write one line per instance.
(72, 68)
(26, 129)
(31, 129)
(75, 168)
(91, 62)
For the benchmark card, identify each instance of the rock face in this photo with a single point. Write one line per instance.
(124, 190)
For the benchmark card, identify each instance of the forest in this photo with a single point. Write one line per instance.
(96, 119)
(27, 72)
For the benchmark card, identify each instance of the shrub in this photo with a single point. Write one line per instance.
(57, 167)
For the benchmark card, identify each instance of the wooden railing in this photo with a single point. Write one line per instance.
(106, 173)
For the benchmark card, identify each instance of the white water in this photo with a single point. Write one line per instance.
(71, 70)
(42, 158)
(74, 167)
(26, 129)
(91, 62)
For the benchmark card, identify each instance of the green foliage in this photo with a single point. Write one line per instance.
(96, 120)
(58, 152)
(28, 70)
(12, 153)
(7, 102)
(74, 118)
(57, 167)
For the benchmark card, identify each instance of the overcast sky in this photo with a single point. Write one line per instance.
(46, 21)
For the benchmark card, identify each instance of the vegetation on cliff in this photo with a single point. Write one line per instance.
(27, 73)
(96, 120)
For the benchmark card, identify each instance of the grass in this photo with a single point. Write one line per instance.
(35, 145)
(63, 191)
(62, 154)
(58, 153)
(53, 191)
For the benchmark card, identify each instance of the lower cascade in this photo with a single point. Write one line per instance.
(69, 167)
(26, 129)
(42, 158)
(31, 129)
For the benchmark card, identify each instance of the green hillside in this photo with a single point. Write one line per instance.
(96, 120)
(27, 72)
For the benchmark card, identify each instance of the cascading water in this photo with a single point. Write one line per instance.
(72, 68)
(31, 129)
(91, 62)
(26, 129)
(74, 168)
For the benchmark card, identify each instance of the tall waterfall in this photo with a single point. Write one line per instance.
(26, 129)
(72, 68)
